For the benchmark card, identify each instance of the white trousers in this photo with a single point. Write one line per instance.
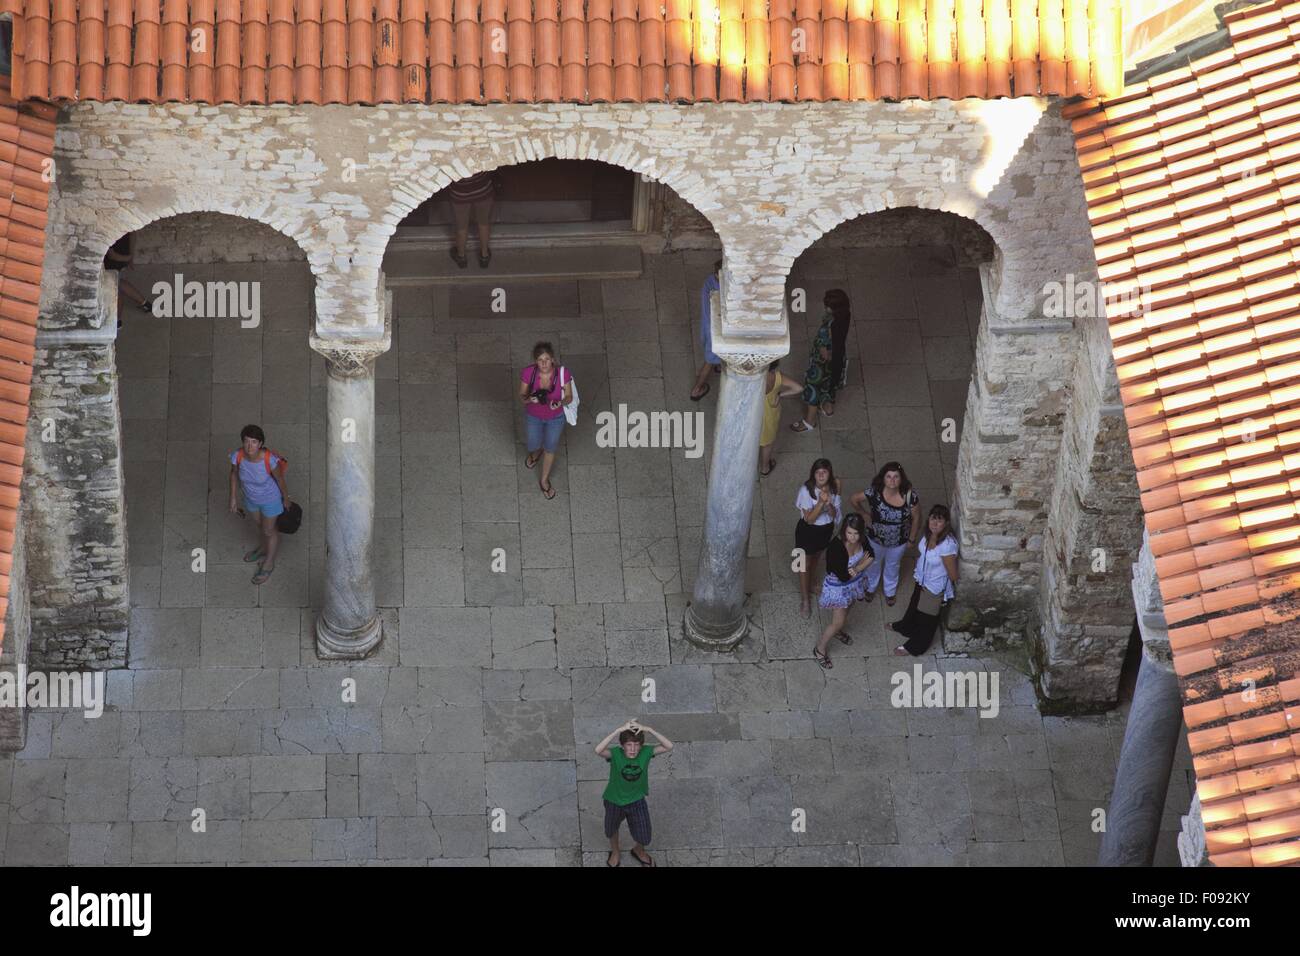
(888, 561)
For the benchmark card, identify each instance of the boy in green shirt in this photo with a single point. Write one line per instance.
(629, 782)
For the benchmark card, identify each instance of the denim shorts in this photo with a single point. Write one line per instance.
(543, 432)
(268, 509)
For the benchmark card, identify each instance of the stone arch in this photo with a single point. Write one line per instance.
(110, 227)
(803, 233)
(601, 146)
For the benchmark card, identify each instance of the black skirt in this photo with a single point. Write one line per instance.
(813, 538)
(918, 628)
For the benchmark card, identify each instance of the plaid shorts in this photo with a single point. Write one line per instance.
(637, 816)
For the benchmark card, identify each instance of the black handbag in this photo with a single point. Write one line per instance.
(289, 520)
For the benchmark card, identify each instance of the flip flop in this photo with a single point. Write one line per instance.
(648, 861)
(612, 865)
(707, 388)
(828, 409)
(845, 638)
(261, 576)
(257, 554)
(530, 462)
(549, 491)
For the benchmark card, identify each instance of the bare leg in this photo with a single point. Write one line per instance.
(461, 210)
(270, 543)
(764, 459)
(484, 216)
(838, 618)
(805, 581)
(614, 851)
(548, 462)
(130, 291)
(701, 379)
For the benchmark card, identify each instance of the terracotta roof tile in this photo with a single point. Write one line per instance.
(383, 51)
(26, 144)
(1187, 198)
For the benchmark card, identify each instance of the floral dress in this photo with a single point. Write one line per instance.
(837, 593)
(818, 385)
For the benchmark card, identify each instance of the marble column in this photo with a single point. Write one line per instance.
(1150, 738)
(715, 618)
(349, 626)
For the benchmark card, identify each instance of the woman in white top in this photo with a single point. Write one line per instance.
(935, 574)
(818, 504)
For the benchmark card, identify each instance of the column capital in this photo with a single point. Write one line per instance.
(351, 358)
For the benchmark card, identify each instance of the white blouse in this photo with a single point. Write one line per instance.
(806, 502)
(930, 572)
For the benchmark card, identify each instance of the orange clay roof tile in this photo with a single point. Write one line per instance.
(22, 225)
(1190, 202)
(382, 51)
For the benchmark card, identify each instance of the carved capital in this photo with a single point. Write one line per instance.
(351, 358)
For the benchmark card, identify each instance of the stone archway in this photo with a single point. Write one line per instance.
(119, 501)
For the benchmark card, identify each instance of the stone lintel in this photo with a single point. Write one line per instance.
(744, 354)
(999, 324)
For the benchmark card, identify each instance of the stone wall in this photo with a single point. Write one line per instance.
(13, 653)
(74, 512)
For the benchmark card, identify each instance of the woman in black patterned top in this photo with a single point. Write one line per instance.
(892, 511)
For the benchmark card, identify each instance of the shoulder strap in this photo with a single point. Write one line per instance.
(267, 453)
(239, 457)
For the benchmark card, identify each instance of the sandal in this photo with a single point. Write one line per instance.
(458, 258)
(261, 575)
(823, 659)
(531, 461)
(845, 638)
(618, 864)
(548, 491)
(890, 599)
(828, 409)
(769, 470)
(707, 388)
(802, 426)
(648, 861)
(257, 554)
(484, 260)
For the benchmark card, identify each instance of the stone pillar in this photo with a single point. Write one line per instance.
(715, 619)
(1150, 737)
(349, 626)
(1006, 467)
(73, 492)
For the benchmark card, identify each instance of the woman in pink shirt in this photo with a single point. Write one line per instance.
(545, 387)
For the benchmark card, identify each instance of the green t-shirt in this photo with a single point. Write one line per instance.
(629, 780)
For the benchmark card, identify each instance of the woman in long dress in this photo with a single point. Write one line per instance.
(826, 358)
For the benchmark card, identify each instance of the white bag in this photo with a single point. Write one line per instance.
(571, 409)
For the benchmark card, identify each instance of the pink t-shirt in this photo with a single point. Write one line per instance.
(529, 375)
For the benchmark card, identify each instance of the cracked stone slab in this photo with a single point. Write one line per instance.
(529, 730)
(540, 801)
(678, 688)
(523, 637)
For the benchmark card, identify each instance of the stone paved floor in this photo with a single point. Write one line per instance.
(491, 688)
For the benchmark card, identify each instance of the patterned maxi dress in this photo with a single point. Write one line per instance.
(818, 386)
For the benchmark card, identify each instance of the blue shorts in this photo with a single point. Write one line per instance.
(543, 432)
(268, 509)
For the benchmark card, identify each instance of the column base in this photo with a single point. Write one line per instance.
(335, 644)
(713, 637)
